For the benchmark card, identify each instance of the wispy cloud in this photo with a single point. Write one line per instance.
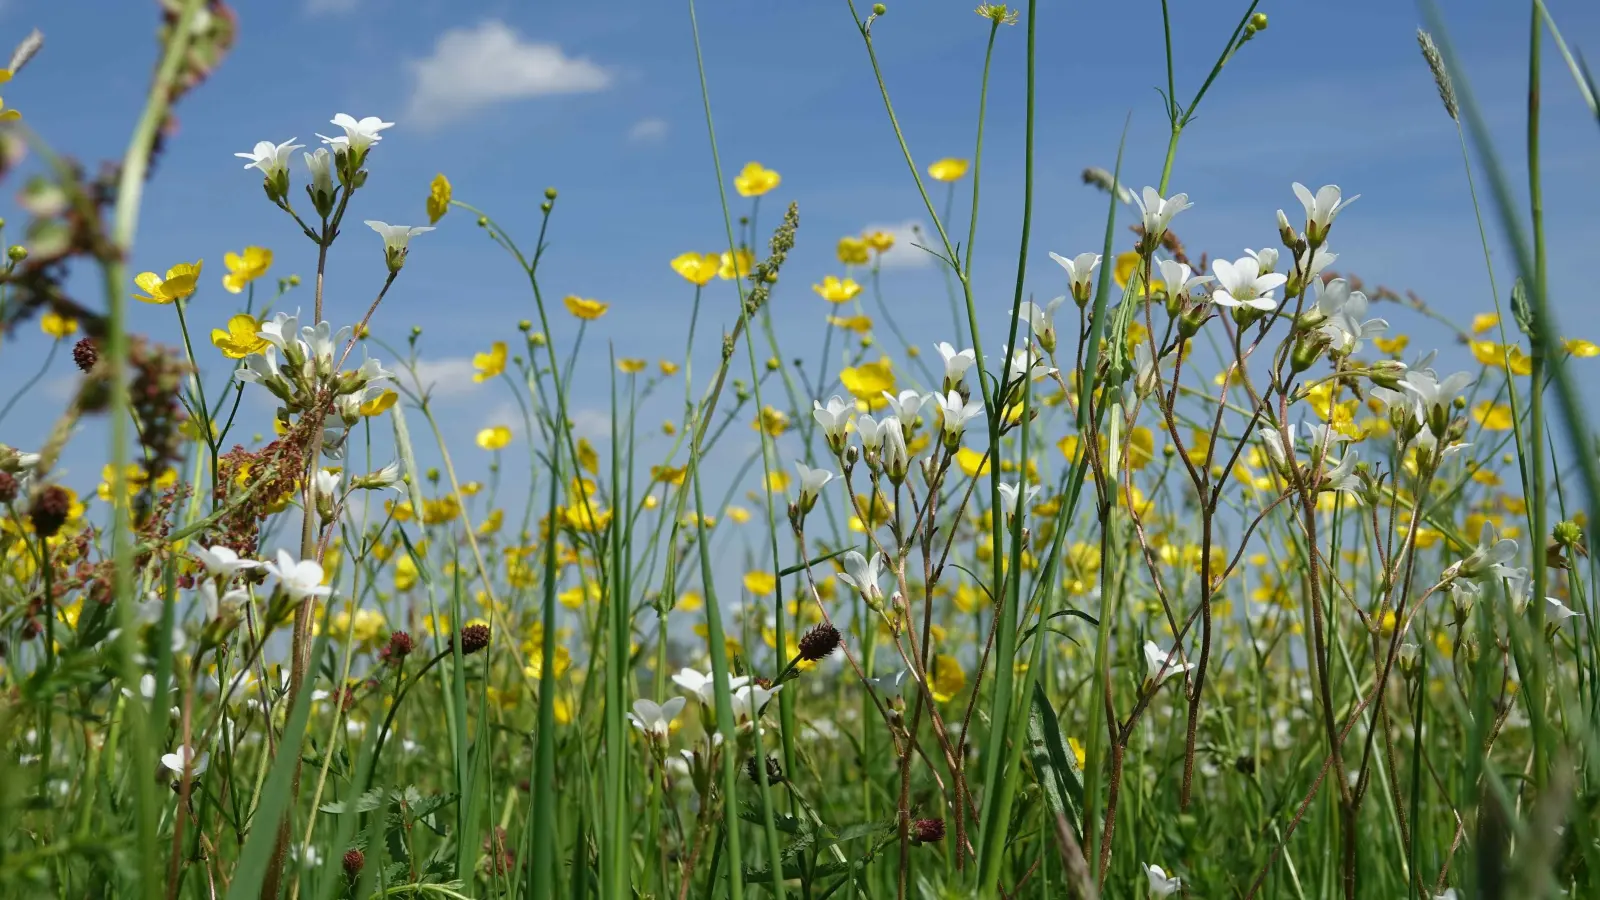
(648, 131)
(443, 377)
(471, 68)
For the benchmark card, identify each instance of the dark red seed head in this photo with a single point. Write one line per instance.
(8, 487)
(474, 638)
(353, 861)
(85, 354)
(50, 510)
(819, 643)
(399, 646)
(927, 831)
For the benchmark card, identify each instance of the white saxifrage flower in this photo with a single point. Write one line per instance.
(1158, 213)
(184, 758)
(1009, 495)
(1488, 560)
(956, 364)
(863, 574)
(750, 699)
(396, 239)
(1080, 274)
(812, 481)
(1042, 321)
(320, 163)
(871, 432)
(1156, 659)
(1277, 450)
(1180, 280)
(834, 419)
(299, 579)
(896, 458)
(272, 159)
(1241, 283)
(1266, 258)
(222, 562)
(1435, 397)
(1557, 612)
(701, 686)
(359, 134)
(956, 413)
(905, 406)
(1161, 884)
(386, 477)
(1321, 209)
(1347, 325)
(655, 719)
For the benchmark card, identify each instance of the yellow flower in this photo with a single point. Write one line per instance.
(588, 459)
(494, 438)
(777, 481)
(853, 251)
(240, 339)
(379, 404)
(491, 364)
(755, 180)
(1581, 348)
(972, 462)
(587, 310)
(735, 265)
(690, 601)
(585, 517)
(631, 366)
(858, 324)
(179, 283)
(667, 475)
(868, 381)
(56, 325)
(1484, 321)
(9, 115)
(438, 198)
(760, 583)
(245, 268)
(697, 268)
(668, 367)
(880, 241)
(405, 572)
(837, 290)
(1393, 346)
(947, 679)
(1492, 354)
(1129, 265)
(1077, 750)
(948, 169)
(772, 420)
(738, 514)
(1492, 416)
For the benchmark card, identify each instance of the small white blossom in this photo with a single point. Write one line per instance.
(1157, 212)
(396, 239)
(956, 364)
(1161, 884)
(185, 757)
(896, 458)
(1155, 659)
(956, 413)
(272, 159)
(1180, 280)
(1266, 258)
(1008, 497)
(871, 431)
(701, 686)
(300, 579)
(812, 481)
(222, 562)
(863, 574)
(655, 719)
(1080, 273)
(1321, 209)
(358, 134)
(1558, 612)
(1346, 311)
(834, 419)
(1042, 321)
(1241, 283)
(1489, 558)
(905, 406)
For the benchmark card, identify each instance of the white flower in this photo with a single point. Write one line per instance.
(896, 459)
(834, 419)
(184, 757)
(1308, 265)
(299, 579)
(749, 699)
(1489, 558)
(1277, 450)
(812, 481)
(956, 364)
(1342, 477)
(327, 483)
(272, 159)
(1161, 884)
(1434, 397)
(655, 719)
(321, 342)
(1266, 258)
(871, 431)
(1042, 321)
(1155, 659)
(1180, 280)
(358, 135)
(222, 562)
(1025, 363)
(386, 477)
(889, 685)
(1558, 612)
(1346, 310)
(863, 574)
(1241, 283)
(1449, 894)
(1008, 497)
(320, 164)
(212, 605)
(700, 684)
(1321, 209)
(395, 240)
(904, 406)
(956, 413)
(1158, 213)
(1145, 373)
(1080, 273)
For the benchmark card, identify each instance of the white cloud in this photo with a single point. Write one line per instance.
(909, 239)
(646, 131)
(476, 67)
(443, 377)
(330, 7)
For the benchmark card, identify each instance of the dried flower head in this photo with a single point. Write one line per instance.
(50, 510)
(774, 771)
(8, 487)
(927, 831)
(353, 861)
(474, 638)
(399, 647)
(85, 354)
(819, 642)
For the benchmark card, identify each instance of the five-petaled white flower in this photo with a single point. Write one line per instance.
(1080, 274)
(1008, 497)
(863, 574)
(395, 240)
(1321, 209)
(1042, 321)
(1025, 363)
(272, 159)
(300, 579)
(212, 605)
(812, 481)
(1155, 660)
(358, 134)
(222, 562)
(1278, 450)
(182, 758)
(1158, 213)
(749, 700)
(1557, 612)
(1161, 884)
(896, 457)
(1342, 478)
(1435, 397)
(1266, 258)
(1346, 310)
(871, 431)
(905, 406)
(956, 413)
(320, 163)
(834, 419)
(1241, 283)
(1180, 279)
(956, 364)
(1489, 558)
(655, 719)
(701, 685)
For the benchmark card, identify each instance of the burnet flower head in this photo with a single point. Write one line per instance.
(1080, 274)
(396, 238)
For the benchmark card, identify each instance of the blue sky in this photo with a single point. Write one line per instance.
(604, 104)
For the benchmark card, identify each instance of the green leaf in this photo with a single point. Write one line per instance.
(1053, 762)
